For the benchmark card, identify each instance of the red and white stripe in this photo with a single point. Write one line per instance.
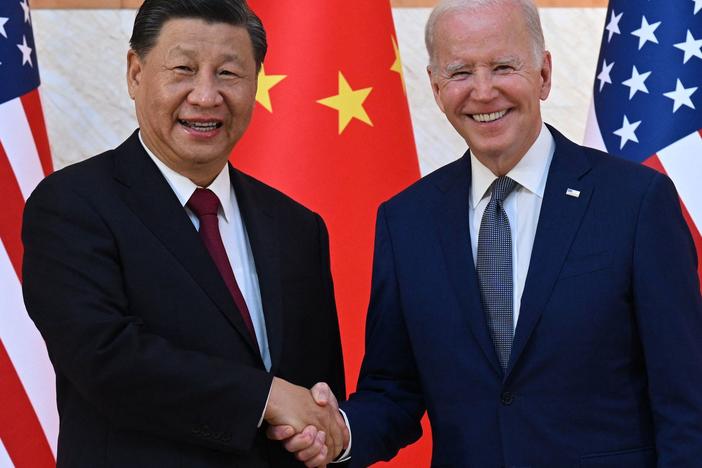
(4, 457)
(18, 141)
(682, 162)
(593, 135)
(28, 417)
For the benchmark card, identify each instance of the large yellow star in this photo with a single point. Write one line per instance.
(265, 83)
(349, 103)
(397, 65)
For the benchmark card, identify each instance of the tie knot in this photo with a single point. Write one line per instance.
(502, 187)
(203, 202)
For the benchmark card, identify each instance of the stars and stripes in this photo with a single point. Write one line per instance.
(647, 103)
(28, 419)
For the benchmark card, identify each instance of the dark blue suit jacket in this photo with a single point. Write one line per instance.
(606, 366)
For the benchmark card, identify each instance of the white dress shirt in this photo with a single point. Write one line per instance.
(234, 237)
(522, 206)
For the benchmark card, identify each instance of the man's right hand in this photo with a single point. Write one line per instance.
(308, 421)
(308, 444)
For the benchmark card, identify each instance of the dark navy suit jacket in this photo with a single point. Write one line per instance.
(606, 365)
(154, 365)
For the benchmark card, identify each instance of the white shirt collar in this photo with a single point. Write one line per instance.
(530, 172)
(184, 187)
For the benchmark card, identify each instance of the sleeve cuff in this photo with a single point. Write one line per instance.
(263, 413)
(346, 455)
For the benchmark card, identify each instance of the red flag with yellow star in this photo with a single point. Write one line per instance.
(332, 130)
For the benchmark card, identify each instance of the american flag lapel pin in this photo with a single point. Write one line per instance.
(573, 193)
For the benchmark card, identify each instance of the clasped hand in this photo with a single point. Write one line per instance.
(307, 422)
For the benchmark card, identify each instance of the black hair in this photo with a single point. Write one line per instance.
(153, 14)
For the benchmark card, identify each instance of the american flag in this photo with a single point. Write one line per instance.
(647, 104)
(28, 418)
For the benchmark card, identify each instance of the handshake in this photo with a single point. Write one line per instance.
(307, 422)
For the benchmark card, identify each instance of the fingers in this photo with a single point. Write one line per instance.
(346, 435)
(308, 422)
(337, 432)
(280, 432)
(335, 436)
(308, 446)
(313, 447)
(320, 460)
(316, 454)
(304, 440)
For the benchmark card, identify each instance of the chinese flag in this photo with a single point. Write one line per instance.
(332, 130)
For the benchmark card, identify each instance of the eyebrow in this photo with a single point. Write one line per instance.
(509, 60)
(188, 52)
(454, 67)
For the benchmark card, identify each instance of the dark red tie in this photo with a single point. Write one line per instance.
(205, 204)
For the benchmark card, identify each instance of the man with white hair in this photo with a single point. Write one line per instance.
(537, 298)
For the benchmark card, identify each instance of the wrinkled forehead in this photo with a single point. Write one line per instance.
(490, 34)
(196, 50)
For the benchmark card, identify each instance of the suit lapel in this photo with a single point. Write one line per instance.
(149, 196)
(451, 220)
(263, 233)
(559, 221)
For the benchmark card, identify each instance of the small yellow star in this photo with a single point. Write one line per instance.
(265, 83)
(349, 103)
(397, 65)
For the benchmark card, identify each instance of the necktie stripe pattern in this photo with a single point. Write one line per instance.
(205, 204)
(494, 267)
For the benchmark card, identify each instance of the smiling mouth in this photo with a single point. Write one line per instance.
(200, 126)
(491, 117)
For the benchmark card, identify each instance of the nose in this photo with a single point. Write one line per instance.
(483, 86)
(205, 91)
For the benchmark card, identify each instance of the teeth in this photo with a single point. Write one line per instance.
(201, 126)
(489, 117)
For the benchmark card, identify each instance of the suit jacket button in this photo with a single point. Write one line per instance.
(506, 398)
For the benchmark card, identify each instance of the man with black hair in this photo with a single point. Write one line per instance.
(175, 293)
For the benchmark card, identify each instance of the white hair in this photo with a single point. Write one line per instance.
(529, 10)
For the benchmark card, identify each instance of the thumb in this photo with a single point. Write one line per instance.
(323, 395)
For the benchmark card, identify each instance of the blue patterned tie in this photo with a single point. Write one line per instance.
(494, 265)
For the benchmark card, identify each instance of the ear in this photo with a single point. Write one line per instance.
(435, 88)
(259, 72)
(134, 69)
(546, 71)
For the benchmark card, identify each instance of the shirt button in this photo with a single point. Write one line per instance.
(506, 398)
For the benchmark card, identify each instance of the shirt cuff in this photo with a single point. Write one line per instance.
(260, 421)
(346, 456)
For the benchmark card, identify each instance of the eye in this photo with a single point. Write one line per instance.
(227, 73)
(504, 68)
(183, 69)
(460, 74)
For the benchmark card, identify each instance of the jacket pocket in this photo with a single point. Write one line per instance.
(644, 457)
(581, 264)
(140, 450)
